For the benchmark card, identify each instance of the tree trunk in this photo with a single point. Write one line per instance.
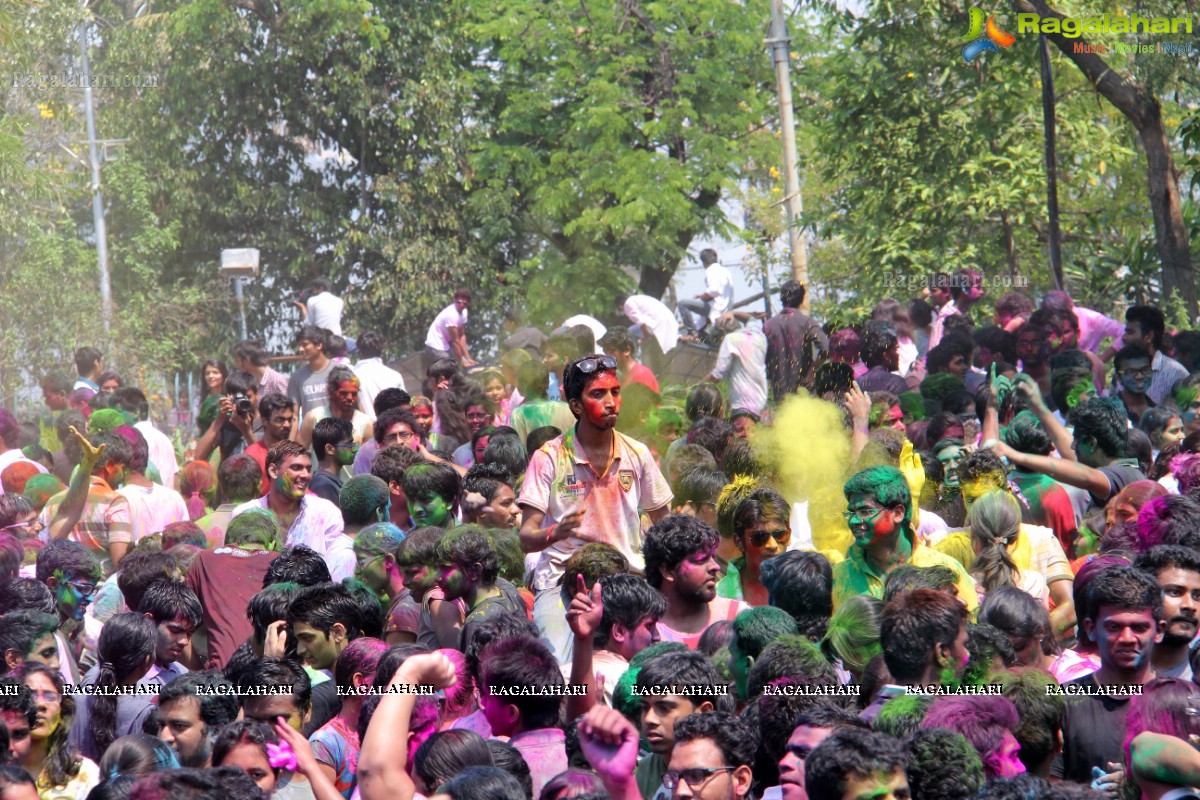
(1142, 108)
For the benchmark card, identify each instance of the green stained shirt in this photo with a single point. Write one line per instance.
(731, 585)
(855, 576)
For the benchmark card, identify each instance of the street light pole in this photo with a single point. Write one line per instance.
(101, 230)
(779, 41)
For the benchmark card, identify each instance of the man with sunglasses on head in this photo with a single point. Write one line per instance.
(590, 484)
(880, 517)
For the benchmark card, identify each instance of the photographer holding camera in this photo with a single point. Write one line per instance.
(236, 425)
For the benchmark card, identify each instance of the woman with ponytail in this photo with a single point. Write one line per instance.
(994, 521)
(126, 653)
(61, 773)
(198, 485)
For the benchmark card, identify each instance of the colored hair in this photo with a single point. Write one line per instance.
(362, 499)
(198, 486)
(671, 540)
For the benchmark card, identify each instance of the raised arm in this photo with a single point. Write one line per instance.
(71, 509)
(384, 753)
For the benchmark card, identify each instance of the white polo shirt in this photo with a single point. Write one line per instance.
(560, 480)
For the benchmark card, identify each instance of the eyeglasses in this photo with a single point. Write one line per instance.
(84, 588)
(400, 436)
(861, 515)
(694, 777)
(760, 538)
(590, 365)
(32, 525)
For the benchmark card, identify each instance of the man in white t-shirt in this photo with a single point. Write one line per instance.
(654, 324)
(703, 309)
(447, 337)
(324, 309)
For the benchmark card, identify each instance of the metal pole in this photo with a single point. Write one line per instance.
(241, 301)
(97, 196)
(779, 48)
(1048, 123)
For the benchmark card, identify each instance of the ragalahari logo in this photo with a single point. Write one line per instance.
(983, 38)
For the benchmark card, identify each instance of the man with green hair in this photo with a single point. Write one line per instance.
(375, 549)
(879, 516)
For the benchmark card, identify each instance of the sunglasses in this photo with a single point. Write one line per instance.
(590, 365)
(760, 538)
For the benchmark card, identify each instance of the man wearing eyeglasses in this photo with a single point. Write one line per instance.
(879, 516)
(1133, 377)
(590, 484)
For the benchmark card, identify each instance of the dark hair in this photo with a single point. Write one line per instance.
(448, 752)
(485, 480)
(280, 451)
(16, 696)
(253, 350)
(390, 463)
(62, 758)
(627, 600)
(240, 478)
(298, 564)
(1063, 382)
(493, 629)
(126, 640)
(216, 696)
(524, 661)
(998, 341)
(470, 544)
(507, 451)
(330, 431)
(801, 583)
(141, 568)
(698, 485)
(906, 577)
(1104, 420)
(319, 337)
(1126, 589)
(1163, 556)
(370, 345)
(942, 765)
(27, 593)
(671, 540)
(277, 674)
(484, 783)
(20, 630)
(713, 434)
(270, 605)
(131, 400)
(243, 731)
(13, 506)
(437, 479)
(1150, 320)
(575, 380)
(323, 606)
(704, 400)
(791, 294)
(57, 382)
(737, 741)
(137, 755)
(911, 627)
(593, 561)
(370, 608)
(68, 557)
(240, 383)
(618, 339)
(167, 600)
(268, 404)
(878, 337)
(850, 752)
(86, 358)
(389, 398)
(536, 438)
(1018, 615)
(682, 668)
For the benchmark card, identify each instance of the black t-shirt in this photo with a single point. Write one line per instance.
(1120, 474)
(1093, 731)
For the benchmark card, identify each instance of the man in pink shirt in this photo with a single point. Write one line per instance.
(1094, 327)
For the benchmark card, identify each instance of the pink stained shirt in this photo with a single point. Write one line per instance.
(560, 480)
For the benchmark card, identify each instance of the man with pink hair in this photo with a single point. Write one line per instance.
(987, 722)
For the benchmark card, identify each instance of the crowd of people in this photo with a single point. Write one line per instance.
(929, 555)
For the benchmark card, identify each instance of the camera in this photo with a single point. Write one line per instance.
(243, 405)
